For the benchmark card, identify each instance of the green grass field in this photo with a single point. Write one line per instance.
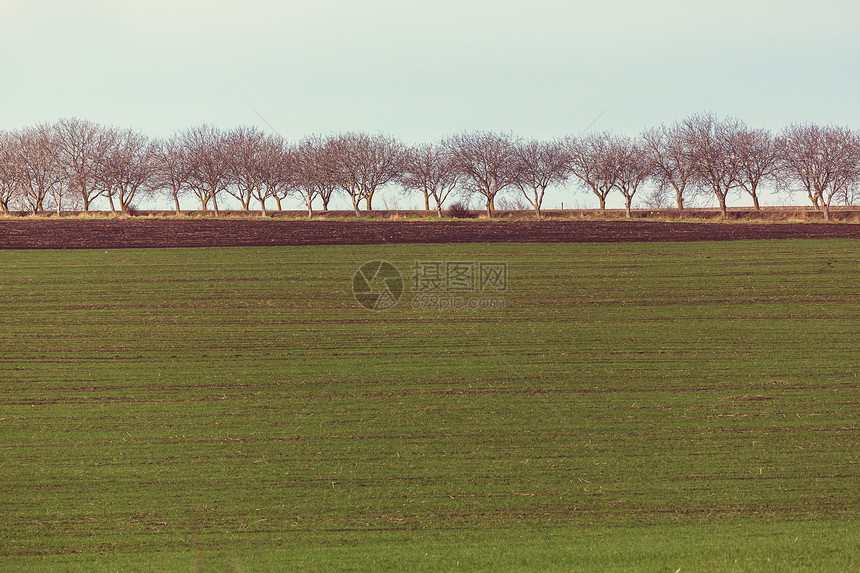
(654, 407)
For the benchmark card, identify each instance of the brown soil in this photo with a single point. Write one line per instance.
(105, 233)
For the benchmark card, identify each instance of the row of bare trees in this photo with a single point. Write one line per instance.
(70, 164)
(73, 162)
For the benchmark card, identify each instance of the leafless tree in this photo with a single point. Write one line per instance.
(278, 171)
(314, 172)
(824, 161)
(590, 159)
(361, 164)
(282, 176)
(487, 162)
(431, 170)
(81, 146)
(539, 165)
(757, 156)
(61, 197)
(326, 174)
(673, 167)
(128, 168)
(250, 155)
(11, 170)
(41, 172)
(208, 164)
(172, 169)
(632, 165)
(715, 156)
(851, 196)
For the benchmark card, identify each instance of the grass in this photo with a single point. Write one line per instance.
(632, 407)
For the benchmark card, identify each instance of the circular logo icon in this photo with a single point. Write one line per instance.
(377, 285)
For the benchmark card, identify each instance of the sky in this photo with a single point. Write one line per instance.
(424, 70)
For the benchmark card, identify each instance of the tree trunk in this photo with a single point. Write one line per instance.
(369, 198)
(426, 201)
(86, 203)
(439, 209)
(263, 207)
(215, 208)
(814, 199)
(602, 203)
(826, 211)
(110, 200)
(723, 210)
(310, 209)
(355, 207)
(176, 203)
(755, 202)
(627, 202)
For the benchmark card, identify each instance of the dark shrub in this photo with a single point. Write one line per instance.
(459, 211)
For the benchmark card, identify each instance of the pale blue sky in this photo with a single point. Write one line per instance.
(424, 70)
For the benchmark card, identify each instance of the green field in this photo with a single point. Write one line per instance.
(655, 407)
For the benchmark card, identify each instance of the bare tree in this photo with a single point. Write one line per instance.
(487, 163)
(673, 166)
(61, 196)
(81, 145)
(277, 171)
(361, 164)
(327, 173)
(314, 172)
(40, 168)
(590, 159)
(208, 164)
(539, 165)
(128, 168)
(756, 153)
(715, 156)
(431, 170)
(245, 154)
(172, 169)
(851, 193)
(11, 170)
(632, 165)
(824, 161)
(282, 175)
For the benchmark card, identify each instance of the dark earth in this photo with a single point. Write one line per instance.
(130, 232)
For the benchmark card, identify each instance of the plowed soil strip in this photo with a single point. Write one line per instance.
(147, 233)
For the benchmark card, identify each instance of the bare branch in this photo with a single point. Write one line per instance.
(590, 159)
(487, 162)
(539, 165)
(208, 164)
(823, 161)
(430, 170)
(361, 164)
